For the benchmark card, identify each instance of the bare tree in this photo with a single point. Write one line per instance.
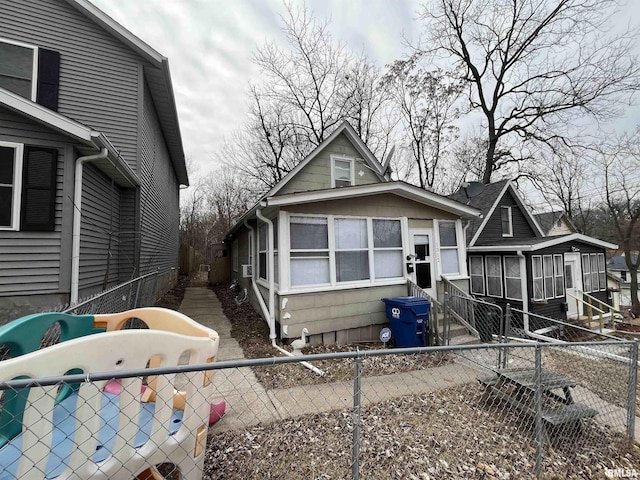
(310, 85)
(426, 104)
(533, 65)
(622, 192)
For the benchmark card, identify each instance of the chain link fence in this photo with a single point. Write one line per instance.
(139, 292)
(482, 411)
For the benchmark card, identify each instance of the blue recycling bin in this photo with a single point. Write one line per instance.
(408, 317)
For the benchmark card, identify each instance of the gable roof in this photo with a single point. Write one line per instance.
(158, 79)
(487, 201)
(113, 166)
(547, 220)
(346, 128)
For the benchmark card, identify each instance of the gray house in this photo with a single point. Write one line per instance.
(91, 157)
(335, 236)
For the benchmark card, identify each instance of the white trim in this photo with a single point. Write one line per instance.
(34, 64)
(462, 255)
(545, 276)
(533, 277)
(510, 220)
(46, 116)
(500, 276)
(116, 29)
(562, 292)
(482, 276)
(523, 208)
(342, 286)
(343, 158)
(16, 200)
(504, 274)
(401, 189)
(548, 243)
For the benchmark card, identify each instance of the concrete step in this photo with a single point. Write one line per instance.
(455, 330)
(464, 340)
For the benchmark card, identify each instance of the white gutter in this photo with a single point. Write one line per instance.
(77, 216)
(267, 314)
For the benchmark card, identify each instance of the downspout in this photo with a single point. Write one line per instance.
(269, 312)
(77, 217)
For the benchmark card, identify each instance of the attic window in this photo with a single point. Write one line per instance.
(31, 72)
(341, 172)
(18, 68)
(507, 222)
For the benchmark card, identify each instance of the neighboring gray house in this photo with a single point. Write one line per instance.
(91, 157)
(555, 223)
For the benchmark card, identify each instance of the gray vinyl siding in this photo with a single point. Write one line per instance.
(99, 75)
(316, 174)
(128, 237)
(100, 220)
(159, 196)
(30, 262)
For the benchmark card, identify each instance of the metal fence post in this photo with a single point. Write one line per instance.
(445, 319)
(631, 394)
(355, 461)
(538, 408)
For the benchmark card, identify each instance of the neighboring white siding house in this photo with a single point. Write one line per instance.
(83, 101)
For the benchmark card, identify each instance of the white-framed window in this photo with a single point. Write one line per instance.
(250, 248)
(19, 68)
(538, 278)
(507, 221)
(547, 269)
(494, 276)
(558, 275)
(586, 272)
(512, 280)
(449, 250)
(342, 171)
(234, 257)
(476, 272)
(332, 250)
(594, 273)
(309, 250)
(10, 185)
(602, 273)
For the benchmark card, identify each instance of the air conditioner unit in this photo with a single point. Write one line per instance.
(247, 271)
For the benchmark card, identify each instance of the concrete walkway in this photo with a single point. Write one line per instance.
(248, 403)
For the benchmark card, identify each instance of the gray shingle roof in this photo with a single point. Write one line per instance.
(618, 263)
(483, 202)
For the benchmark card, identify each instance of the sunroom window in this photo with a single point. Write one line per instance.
(309, 251)
(333, 250)
(494, 276)
(512, 280)
(476, 271)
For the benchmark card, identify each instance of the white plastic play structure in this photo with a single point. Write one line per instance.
(110, 429)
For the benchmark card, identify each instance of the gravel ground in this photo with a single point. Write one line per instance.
(449, 434)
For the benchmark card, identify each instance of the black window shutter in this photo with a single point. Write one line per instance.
(38, 189)
(48, 78)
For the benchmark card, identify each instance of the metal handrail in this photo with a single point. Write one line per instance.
(415, 291)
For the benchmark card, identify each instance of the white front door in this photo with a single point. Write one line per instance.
(423, 264)
(573, 283)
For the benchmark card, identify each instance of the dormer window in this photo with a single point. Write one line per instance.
(507, 223)
(341, 172)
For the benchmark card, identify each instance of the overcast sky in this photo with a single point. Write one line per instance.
(209, 44)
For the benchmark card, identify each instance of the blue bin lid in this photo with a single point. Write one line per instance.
(406, 301)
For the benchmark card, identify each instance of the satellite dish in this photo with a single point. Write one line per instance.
(473, 189)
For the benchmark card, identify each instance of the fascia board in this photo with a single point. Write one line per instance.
(528, 214)
(44, 115)
(117, 30)
(575, 236)
(406, 191)
(489, 214)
